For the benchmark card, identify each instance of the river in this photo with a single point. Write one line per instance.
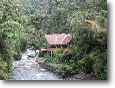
(28, 69)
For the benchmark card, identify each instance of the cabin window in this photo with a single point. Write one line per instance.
(70, 45)
(56, 38)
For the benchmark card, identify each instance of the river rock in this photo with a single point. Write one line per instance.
(34, 63)
(37, 51)
(83, 76)
(15, 64)
(17, 57)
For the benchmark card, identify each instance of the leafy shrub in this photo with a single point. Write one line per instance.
(48, 59)
(42, 54)
(24, 44)
(57, 55)
(95, 63)
(3, 65)
(67, 66)
(86, 63)
(100, 66)
(66, 70)
(57, 52)
(66, 55)
(4, 75)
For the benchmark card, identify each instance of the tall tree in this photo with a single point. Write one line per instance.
(11, 10)
(11, 34)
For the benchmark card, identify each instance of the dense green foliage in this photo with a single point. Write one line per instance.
(90, 38)
(25, 22)
(60, 16)
(90, 55)
(12, 41)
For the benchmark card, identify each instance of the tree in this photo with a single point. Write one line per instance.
(11, 10)
(37, 21)
(11, 35)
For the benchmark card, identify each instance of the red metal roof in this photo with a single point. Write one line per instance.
(58, 39)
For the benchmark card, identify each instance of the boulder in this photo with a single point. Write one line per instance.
(34, 63)
(17, 57)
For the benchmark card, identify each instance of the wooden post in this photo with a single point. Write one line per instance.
(56, 46)
(51, 54)
(47, 52)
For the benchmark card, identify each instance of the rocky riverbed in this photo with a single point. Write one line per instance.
(32, 67)
(28, 69)
(52, 67)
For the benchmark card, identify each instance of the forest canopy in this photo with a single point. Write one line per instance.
(25, 22)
